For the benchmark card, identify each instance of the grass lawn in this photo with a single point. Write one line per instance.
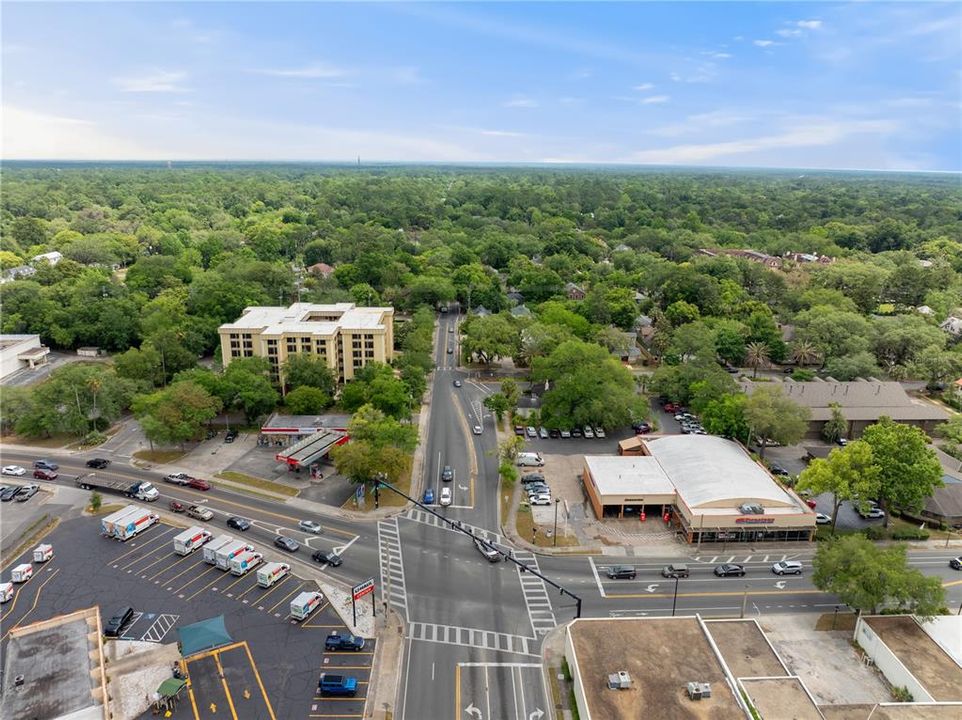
(386, 498)
(824, 532)
(160, 457)
(59, 440)
(526, 525)
(257, 483)
(844, 621)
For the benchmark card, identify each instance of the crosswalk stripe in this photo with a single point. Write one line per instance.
(392, 563)
(473, 637)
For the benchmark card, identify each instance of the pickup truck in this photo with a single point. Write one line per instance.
(178, 478)
(343, 641)
(199, 513)
(337, 685)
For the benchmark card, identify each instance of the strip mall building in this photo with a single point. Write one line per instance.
(709, 488)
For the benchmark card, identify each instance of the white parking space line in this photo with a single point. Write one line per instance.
(133, 621)
(160, 627)
(594, 570)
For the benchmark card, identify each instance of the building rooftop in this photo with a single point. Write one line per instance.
(628, 475)
(273, 320)
(922, 654)
(781, 697)
(7, 341)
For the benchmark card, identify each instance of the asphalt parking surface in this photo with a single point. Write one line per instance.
(271, 670)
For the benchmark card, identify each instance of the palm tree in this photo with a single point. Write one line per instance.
(756, 355)
(805, 353)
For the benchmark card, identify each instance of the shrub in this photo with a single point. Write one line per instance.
(875, 532)
(96, 500)
(901, 694)
(910, 534)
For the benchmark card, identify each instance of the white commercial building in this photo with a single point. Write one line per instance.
(21, 351)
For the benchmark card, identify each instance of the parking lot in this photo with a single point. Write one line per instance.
(271, 670)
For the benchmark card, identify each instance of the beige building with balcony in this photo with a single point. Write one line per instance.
(347, 337)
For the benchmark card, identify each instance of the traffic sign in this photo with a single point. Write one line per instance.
(364, 588)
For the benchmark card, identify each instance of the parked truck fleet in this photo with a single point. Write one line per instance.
(191, 539)
(241, 564)
(128, 522)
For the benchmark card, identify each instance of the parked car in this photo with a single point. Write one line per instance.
(429, 496)
(9, 493)
(116, 624)
(477, 430)
(519, 430)
(231, 436)
(446, 496)
(343, 641)
(622, 572)
(178, 478)
(540, 499)
(327, 558)
(199, 512)
(589, 433)
(565, 434)
(14, 470)
(238, 523)
(778, 469)
(98, 463)
(675, 570)
(542, 433)
(811, 503)
(340, 685)
(641, 428)
(576, 433)
(599, 432)
(46, 465)
(198, 484)
(26, 492)
(42, 474)
(310, 526)
(822, 519)
(538, 489)
(447, 474)
(554, 433)
(531, 432)
(956, 563)
(532, 477)
(871, 513)
(211, 433)
(286, 543)
(787, 567)
(730, 570)
(841, 442)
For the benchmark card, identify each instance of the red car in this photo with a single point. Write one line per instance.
(198, 484)
(42, 474)
(671, 407)
(811, 503)
(176, 506)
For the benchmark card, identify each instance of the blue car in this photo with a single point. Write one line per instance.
(429, 496)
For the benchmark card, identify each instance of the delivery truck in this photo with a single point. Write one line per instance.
(6, 591)
(271, 573)
(22, 573)
(304, 604)
(107, 524)
(134, 524)
(211, 548)
(229, 552)
(240, 564)
(139, 490)
(190, 540)
(42, 553)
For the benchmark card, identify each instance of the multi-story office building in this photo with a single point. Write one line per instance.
(346, 336)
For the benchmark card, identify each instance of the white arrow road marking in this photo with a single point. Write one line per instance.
(471, 710)
(780, 584)
(536, 714)
(463, 487)
(651, 588)
(341, 548)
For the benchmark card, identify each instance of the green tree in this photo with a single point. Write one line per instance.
(725, 416)
(175, 414)
(308, 370)
(847, 473)
(96, 500)
(498, 404)
(935, 366)
(756, 356)
(246, 385)
(837, 426)
(380, 447)
(849, 367)
(681, 312)
(869, 578)
(774, 417)
(511, 392)
(804, 353)
(909, 470)
(490, 338)
(307, 400)
(380, 430)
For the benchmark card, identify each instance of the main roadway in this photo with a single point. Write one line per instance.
(474, 628)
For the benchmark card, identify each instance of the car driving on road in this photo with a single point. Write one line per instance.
(98, 463)
(238, 523)
(310, 526)
(429, 496)
(46, 465)
(956, 563)
(445, 498)
(675, 570)
(787, 567)
(178, 478)
(14, 470)
(286, 543)
(43, 474)
(730, 570)
(621, 572)
(200, 513)
(327, 558)
(447, 474)
(477, 430)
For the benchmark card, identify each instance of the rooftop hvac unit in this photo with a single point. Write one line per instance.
(751, 509)
(620, 680)
(697, 690)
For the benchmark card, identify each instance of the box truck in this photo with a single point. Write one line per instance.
(527, 459)
(240, 564)
(107, 524)
(304, 604)
(134, 524)
(6, 591)
(139, 490)
(229, 552)
(42, 553)
(271, 573)
(190, 540)
(211, 548)
(22, 573)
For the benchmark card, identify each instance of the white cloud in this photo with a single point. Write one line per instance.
(701, 73)
(763, 43)
(701, 123)
(655, 100)
(717, 55)
(521, 102)
(788, 32)
(158, 81)
(809, 24)
(500, 133)
(316, 71)
(644, 86)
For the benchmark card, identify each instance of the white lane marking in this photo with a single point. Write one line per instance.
(339, 550)
(601, 588)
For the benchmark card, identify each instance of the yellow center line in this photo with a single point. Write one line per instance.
(192, 580)
(32, 607)
(223, 680)
(725, 593)
(260, 684)
(288, 597)
(457, 691)
(950, 583)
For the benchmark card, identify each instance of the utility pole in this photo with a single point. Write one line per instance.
(745, 604)
(555, 536)
(674, 599)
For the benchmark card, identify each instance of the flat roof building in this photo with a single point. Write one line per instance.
(347, 337)
(18, 352)
(707, 487)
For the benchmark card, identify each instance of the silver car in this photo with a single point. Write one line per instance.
(310, 526)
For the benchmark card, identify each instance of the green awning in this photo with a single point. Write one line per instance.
(204, 635)
(170, 687)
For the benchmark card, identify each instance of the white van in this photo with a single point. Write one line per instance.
(527, 459)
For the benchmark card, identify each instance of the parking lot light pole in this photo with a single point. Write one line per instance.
(556, 501)
(674, 599)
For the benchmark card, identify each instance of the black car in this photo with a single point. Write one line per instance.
(46, 465)
(956, 563)
(730, 570)
(343, 641)
(329, 558)
(98, 463)
(778, 470)
(286, 543)
(231, 436)
(622, 572)
(532, 478)
(238, 523)
(118, 621)
(8, 494)
(576, 432)
(447, 475)
(210, 434)
(554, 433)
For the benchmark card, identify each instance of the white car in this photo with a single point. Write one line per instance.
(599, 432)
(589, 433)
(873, 513)
(178, 478)
(15, 470)
(822, 519)
(310, 526)
(531, 432)
(477, 429)
(541, 499)
(542, 433)
(445, 497)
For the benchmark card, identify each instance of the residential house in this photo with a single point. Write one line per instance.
(321, 270)
(52, 258)
(18, 273)
(515, 297)
(925, 310)
(801, 257)
(520, 311)
(574, 292)
(953, 326)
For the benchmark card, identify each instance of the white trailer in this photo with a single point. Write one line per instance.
(107, 524)
(22, 573)
(304, 604)
(211, 548)
(190, 540)
(134, 524)
(229, 552)
(271, 573)
(6, 591)
(42, 553)
(240, 564)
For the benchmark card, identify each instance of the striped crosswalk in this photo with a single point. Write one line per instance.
(426, 518)
(535, 595)
(392, 564)
(473, 637)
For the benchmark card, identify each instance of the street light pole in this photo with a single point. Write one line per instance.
(556, 501)
(674, 599)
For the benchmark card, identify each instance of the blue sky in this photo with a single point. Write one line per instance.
(820, 85)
